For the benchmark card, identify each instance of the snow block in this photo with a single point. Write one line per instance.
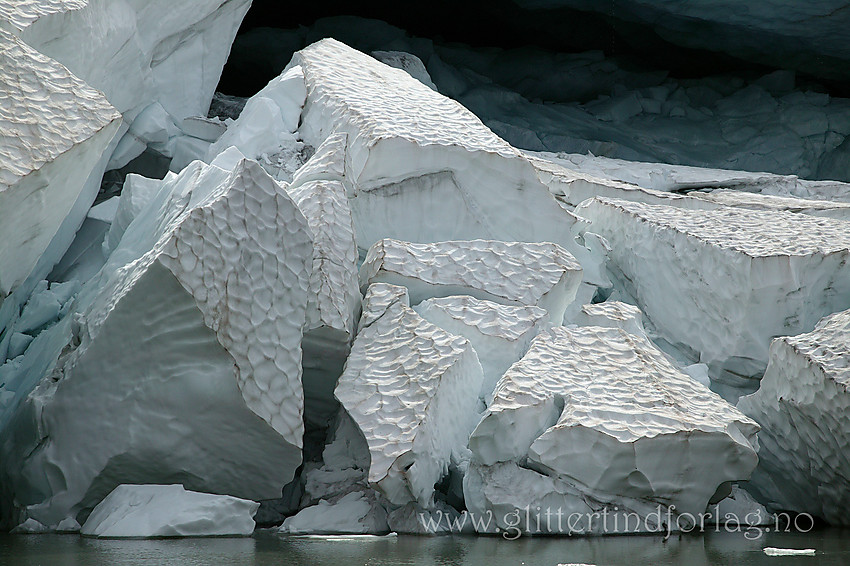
(654, 433)
(174, 52)
(500, 334)
(55, 130)
(412, 389)
(802, 407)
(205, 298)
(424, 168)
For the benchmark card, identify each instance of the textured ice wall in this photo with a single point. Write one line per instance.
(55, 130)
(724, 282)
(412, 389)
(802, 406)
(205, 298)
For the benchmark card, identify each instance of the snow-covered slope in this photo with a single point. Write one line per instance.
(146, 511)
(723, 282)
(511, 273)
(802, 406)
(412, 389)
(205, 299)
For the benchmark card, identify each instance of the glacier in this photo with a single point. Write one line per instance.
(348, 306)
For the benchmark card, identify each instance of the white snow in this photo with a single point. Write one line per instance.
(724, 282)
(146, 511)
(656, 434)
(205, 298)
(802, 406)
(412, 389)
(511, 273)
(500, 334)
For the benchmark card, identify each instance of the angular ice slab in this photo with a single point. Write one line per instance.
(724, 282)
(153, 59)
(510, 273)
(500, 334)
(654, 433)
(147, 511)
(205, 300)
(423, 168)
(54, 131)
(356, 513)
(802, 407)
(412, 389)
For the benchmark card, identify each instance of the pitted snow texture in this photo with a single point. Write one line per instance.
(508, 272)
(46, 110)
(489, 318)
(412, 389)
(22, 13)
(802, 406)
(245, 258)
(616, 383)
(382, 102)
(751, 232)
(334, 289)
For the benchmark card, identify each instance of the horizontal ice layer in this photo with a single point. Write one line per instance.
(174, 53)
(612, 314)
(148, 511)
(802, 407)
(758, 201)
(500, 334)
(724, 282)
(423, 168)
(55, 130)
(677, 178)
(205, 298)
(510, 273)
(412, 389)
(653, 432)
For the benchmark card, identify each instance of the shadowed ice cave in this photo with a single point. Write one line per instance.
(565, 77)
